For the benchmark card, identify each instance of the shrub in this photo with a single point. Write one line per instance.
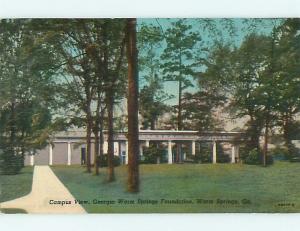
(281, 153)
(293, 152)
(223, 158)
(190, 158)
(287, 152)
(243, 152)
(295, 159)
(102, 161)
(10, 161)
(255, 157)
(152, 154)
(270, 159)
(204, 156)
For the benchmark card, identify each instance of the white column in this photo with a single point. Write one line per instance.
(31, 159)
(69, 153)
(50, 154)
(116, 148)
(193, 147)
(199, 150)
(141, 149)
(237, 152)
(126, 153)
(214, 152)
(170, 156)
(233, 153)
(147, 143)
(105, 147)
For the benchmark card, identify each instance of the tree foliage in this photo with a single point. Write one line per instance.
(178, 58)
(26, 87)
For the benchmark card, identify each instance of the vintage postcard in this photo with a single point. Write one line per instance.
(150, 115)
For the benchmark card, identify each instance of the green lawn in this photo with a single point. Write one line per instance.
(240, 188)
(14, 186)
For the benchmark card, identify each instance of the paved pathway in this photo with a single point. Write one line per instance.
(45, 187)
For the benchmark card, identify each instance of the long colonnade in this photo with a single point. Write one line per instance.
(145, 137)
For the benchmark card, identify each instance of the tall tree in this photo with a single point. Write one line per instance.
(152, 95)
(71, 39)
(92, 67)
(242, 75)
(114, 86)
(132, 105)
(25, 90)
(200, 109)
(108, 56)
(287, 80)
(250, 87)
(178, 58)
(179, 63)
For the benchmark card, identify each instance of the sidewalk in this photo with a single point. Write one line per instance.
(45, 187)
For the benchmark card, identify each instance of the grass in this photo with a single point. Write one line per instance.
(14, 186)
(241, 188)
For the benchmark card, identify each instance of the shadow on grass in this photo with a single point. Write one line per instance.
(14, 211)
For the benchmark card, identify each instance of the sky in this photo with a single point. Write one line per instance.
(241, 27)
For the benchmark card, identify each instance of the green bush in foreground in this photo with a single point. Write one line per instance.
(205, 155)
(10, 162)
(290, 153)
(153, 154)
(281, 153)
(102, 161)
(254, 157)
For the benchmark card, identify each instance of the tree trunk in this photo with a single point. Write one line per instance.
(287, 118)
(266, 138)
(96, 151)
(179, 116)
(96, 130)
(13, 123)
(88, 143)
(89, 121)
(152, 124)
(132, 107)
(110, 139)
(179, 120)
(101, 135)
(268, 106)
(13, 143)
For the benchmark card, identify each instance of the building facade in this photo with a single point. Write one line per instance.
(68, 148)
